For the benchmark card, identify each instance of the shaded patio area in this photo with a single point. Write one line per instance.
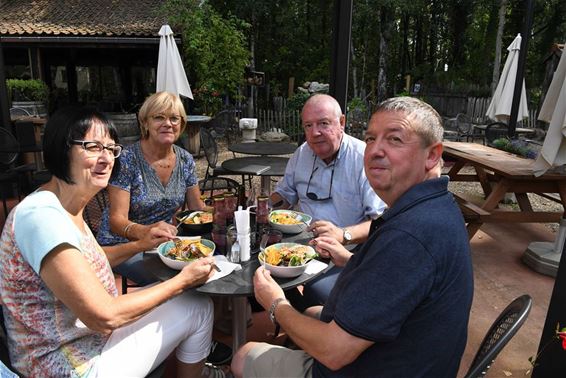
(499, 277)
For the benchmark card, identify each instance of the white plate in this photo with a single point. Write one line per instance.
(178, 264)
(285, 271)
(290, 228)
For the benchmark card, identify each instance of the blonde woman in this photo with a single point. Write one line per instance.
(154, 179)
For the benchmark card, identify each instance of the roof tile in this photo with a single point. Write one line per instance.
(126, 18)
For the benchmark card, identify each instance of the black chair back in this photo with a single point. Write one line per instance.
(212, 184)
(495, 131)
(9, 147)
(499, 334)
(25, 133)
(210, 147)
(19, 112)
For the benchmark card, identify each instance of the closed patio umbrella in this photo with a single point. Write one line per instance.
(171, 76)
(500, 107)
(553, 111)
(544, 257)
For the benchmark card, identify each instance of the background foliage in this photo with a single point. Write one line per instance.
(215, 50)
(445, 45)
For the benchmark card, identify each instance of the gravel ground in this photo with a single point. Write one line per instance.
(472, 190)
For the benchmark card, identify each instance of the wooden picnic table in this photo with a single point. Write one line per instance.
(500, 172)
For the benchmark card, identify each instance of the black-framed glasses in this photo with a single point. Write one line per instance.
(313, 196)
(94, 148)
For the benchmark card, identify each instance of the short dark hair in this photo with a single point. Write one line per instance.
(64, 126)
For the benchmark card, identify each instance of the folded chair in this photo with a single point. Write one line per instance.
(499, 334)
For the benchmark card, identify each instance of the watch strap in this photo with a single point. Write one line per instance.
(272, 309)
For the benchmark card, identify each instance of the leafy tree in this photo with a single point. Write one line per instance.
(214, 47)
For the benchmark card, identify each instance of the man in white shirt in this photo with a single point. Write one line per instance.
(326, 178)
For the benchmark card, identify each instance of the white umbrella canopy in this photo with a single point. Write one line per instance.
(553, 111)
(500, 106)
(171, 76)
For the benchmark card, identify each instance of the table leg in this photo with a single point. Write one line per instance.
(496, 195)
(265, 185)
(239, 322)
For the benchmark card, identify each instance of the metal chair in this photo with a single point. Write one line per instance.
(210, 147)
(501, 331)
(12, 175)
(19, 112)
(225, 125)
(92, 213)
(25, 134)
(212, 184)
(495, 131)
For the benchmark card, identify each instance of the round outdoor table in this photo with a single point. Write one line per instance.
(193, 132)
(263, 148)
(238, 285)
(263, 166)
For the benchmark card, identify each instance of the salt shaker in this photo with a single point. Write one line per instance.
(235, 252)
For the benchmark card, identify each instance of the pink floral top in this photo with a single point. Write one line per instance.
(44, 337)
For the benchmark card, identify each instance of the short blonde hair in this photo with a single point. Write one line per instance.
(159, 103)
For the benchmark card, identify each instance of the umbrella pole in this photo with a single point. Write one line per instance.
(544, 257)
(521, 68)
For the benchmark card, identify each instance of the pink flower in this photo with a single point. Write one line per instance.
(562, 335)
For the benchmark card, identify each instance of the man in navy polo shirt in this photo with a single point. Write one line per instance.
(401, 305)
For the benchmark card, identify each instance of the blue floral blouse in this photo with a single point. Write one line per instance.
(150, 201)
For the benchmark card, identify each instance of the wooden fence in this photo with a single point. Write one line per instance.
(284, 121)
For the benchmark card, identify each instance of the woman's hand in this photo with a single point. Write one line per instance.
(266, 290)
(328, 247)
(199, 271)
(326, 228)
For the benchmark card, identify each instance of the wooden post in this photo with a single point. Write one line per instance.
(291, 87)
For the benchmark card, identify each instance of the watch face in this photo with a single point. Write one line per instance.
(347, 235)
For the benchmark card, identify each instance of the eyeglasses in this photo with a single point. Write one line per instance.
(94, 148)
(161, 119)
(313, 196)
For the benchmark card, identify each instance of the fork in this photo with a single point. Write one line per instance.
(198, 253)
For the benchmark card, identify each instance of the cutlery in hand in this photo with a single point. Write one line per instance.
(198, 253)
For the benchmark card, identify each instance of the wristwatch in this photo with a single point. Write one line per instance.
(347, 236)
(272, 310)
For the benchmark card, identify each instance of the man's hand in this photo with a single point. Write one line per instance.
(330, 248)
(328, 229)
(265, 288)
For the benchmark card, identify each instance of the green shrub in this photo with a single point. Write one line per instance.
(27, 90)
(298, 100)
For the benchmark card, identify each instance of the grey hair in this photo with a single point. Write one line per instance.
(321, 97)
(428, 125)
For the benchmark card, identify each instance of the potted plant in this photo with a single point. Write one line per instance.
(31, 95)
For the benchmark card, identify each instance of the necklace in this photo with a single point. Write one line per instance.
(164, 163)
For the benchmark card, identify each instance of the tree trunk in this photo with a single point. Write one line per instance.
(383, 48)
(353, 68)
(498, 42)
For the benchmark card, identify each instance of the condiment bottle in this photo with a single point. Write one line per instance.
(219, 214)
(230, 205)
(262, 213)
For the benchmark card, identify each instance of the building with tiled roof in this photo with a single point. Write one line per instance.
(80, 18)
(87, 51)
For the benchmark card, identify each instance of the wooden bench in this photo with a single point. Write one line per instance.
(471, 211)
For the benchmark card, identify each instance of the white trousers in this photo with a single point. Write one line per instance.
(184, 322)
